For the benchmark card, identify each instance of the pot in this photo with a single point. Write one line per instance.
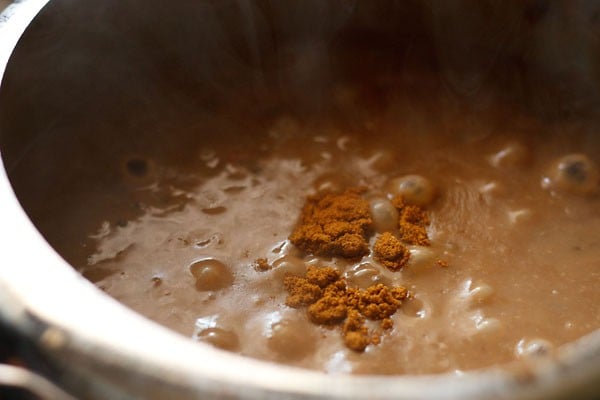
(81, 78)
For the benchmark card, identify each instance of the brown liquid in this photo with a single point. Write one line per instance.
(163, 174)
(523, 260)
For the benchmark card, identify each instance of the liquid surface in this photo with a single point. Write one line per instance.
(162, 158)
(523, 255)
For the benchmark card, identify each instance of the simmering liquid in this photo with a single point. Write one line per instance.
(162, 157)
(519, 234)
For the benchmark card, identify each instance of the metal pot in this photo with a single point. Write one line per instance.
(81, 66)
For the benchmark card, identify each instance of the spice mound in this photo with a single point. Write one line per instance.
(334, 225)
(341, 225)
(261, 264)
(390, 252)
(413, 221)
(331, 302)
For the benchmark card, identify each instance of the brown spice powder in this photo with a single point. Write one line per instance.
(356, 334)
(334, 225)
(413, 221)
(322, 277)
(261, 264)
(390, 252)
(340, 225)
(331, 302)
(301, 291)
(387, 324)
(398, 202)
(377, 301)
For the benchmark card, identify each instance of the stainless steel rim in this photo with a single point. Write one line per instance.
(123, 354)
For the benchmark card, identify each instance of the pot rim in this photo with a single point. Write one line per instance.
(74, 317)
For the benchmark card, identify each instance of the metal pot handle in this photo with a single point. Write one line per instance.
(13, 377)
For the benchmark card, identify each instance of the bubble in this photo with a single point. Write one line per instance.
(480, 294)
(279, 247)
(535, 347)
(520, 216)
(365, 275)
(475, 295)
(487, 325)
(568, 325)
(513, 154)
(573, 173)
(339, 363)
(421, 258)
(344, 143)
(384, 214)
(414, 308)
(492, 189)
(210, 158)
(290, 338)
(288, 265)
(415, 189)
(199, 238)
(214, 210)
(202, 243)
(235, 173)
(331, 182)
(211, 274)
(383, 160)
(234, 189)
(156, 281)
(221, 338)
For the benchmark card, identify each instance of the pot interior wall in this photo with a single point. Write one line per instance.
(93, 84)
